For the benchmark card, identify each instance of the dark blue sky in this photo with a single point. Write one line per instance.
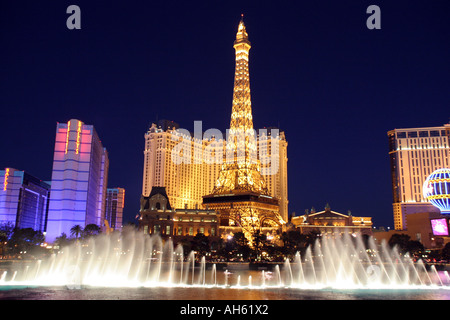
(334, 86)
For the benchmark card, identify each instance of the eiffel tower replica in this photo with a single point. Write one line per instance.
(240, 194)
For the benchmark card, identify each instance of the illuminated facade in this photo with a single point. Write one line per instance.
(157, 216)
(79, 179)
(414, 154)
(23, 200)
(275, 156)
(331, 223)
(114, 204)
(241, 195)
(185, 183)
(420, 228)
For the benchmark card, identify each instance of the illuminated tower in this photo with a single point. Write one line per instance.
(241, 171)
(240, 194)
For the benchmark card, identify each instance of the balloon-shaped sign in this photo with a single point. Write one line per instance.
(436, 189)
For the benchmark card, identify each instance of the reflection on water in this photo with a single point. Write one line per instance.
(216, 293)
(213, 284)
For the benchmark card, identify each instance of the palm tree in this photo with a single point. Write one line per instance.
(6, 230)
(91, 229)
(76, 230)
(62, 240)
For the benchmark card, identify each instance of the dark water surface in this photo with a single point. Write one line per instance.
(218, 293)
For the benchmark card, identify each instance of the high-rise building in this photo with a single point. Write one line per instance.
(274, 167)
(79, 179)
(115, 202)
(185, 182)
(414, 154)
(23, 200)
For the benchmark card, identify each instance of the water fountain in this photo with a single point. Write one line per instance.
(138, 260)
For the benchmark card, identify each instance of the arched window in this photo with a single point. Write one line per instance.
(158, 206)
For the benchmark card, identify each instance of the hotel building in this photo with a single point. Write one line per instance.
(275, 157)
(186, 183)
(23, 200)
(414, 154)
(115, 202)
(330, 223)
(79, 179)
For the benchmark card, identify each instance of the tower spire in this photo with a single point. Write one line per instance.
(242, 33)
(240, 195)
(242, 169)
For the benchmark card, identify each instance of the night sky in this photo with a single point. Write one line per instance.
(316, 71)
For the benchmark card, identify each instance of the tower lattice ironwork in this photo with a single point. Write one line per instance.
(240, 193)
(241, 170)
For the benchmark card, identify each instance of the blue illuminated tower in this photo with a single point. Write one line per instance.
(79, 179)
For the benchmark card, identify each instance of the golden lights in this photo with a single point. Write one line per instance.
(67, 136)
(5, 182)
(78, 137)
(241, 174)
(243, 171)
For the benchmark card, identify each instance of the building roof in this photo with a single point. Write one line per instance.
(329, 215)
(161, 191)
